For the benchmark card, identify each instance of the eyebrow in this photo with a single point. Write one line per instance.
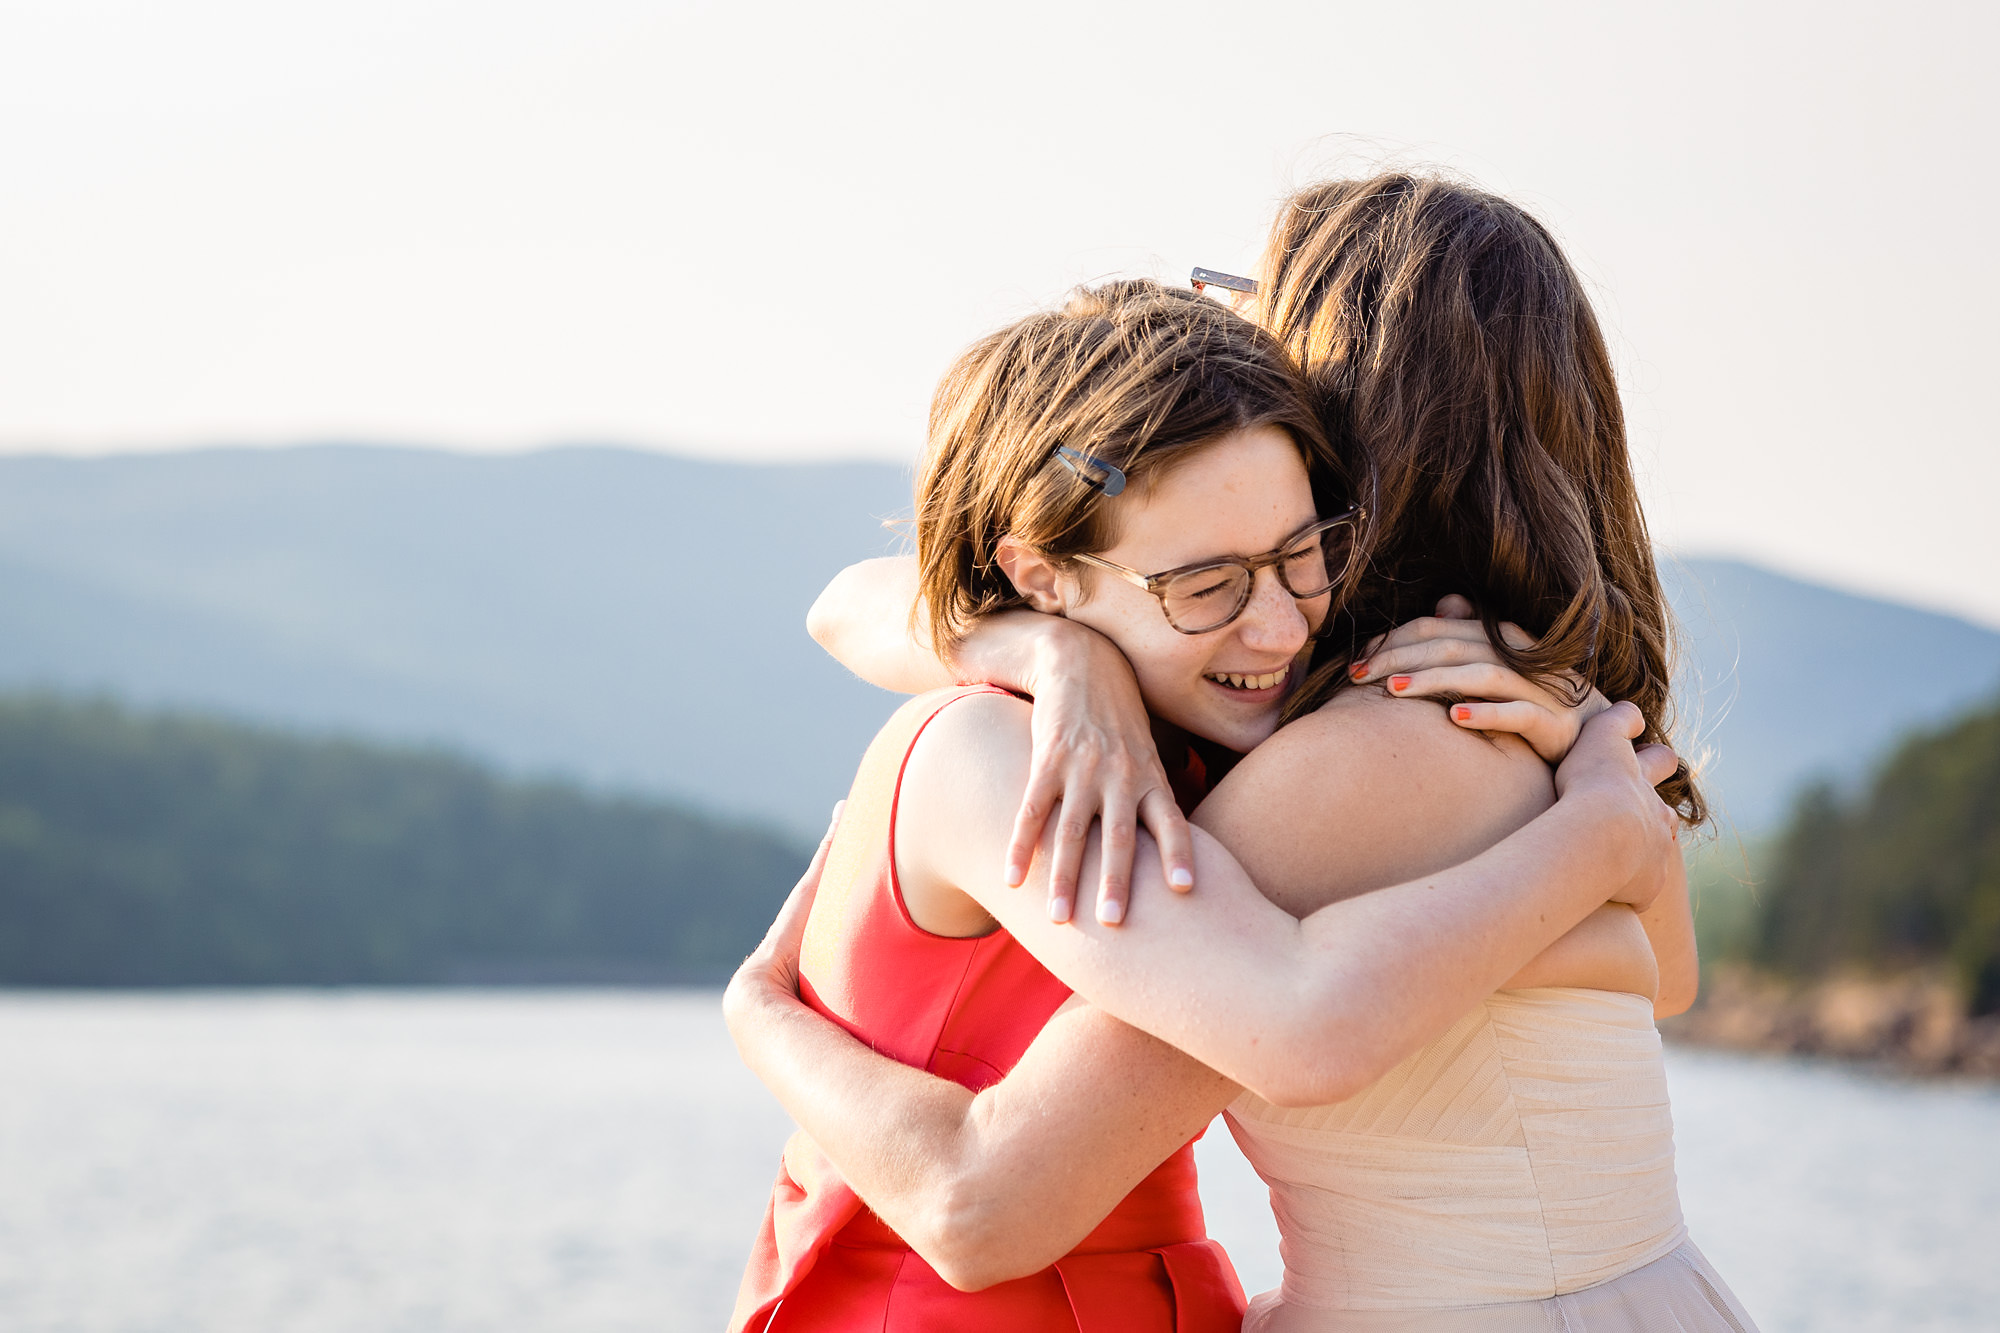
(1243, 555)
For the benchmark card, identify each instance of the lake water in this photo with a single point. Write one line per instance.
(450, 1161)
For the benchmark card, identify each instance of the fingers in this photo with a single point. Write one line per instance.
(1072, 827)
(1169, 827)
(1658, 763)
(1029, 821)
(826, 840)
(1478, 680)
(1454, 607)
(787, 933)
(801, 898)
(1115, 880)
(1622, 718)
(1547, 733)
(1429, 642)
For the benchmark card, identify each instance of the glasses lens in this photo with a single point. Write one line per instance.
(1205, 599)
(1316, 564)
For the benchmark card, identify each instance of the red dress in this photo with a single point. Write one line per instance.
(964, 1009)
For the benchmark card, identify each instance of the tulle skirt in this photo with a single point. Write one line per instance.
(1680, 1293)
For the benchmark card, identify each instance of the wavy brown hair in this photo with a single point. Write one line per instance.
(1136, 374)
(1451, 349)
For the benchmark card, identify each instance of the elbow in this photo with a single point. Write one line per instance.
(963, 1239)
(1318, 1064)
(1297, 1088)
(823, 621)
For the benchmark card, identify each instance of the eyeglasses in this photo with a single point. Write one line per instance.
(1202, 598)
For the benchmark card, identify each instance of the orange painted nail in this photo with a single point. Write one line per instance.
(1398, 684)
(1460, 713)
(1359, 669)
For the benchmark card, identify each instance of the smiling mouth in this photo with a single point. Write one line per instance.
(1231, 680)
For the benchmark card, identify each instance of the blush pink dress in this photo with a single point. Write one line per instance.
(1515, 1176)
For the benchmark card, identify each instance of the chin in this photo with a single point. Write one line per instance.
(1236, 733)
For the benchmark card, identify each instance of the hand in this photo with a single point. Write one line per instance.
(1604, 767)
(1094, 758)
(772, 969)
(1449, 656)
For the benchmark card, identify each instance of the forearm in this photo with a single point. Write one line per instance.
(1669, 925)
(993, 1186)
(863, 619)
(1391, 970)
(1306, 1012)
(837, 1089)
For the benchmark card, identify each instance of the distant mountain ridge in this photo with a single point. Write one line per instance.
(631, 619)
(1785, 681)
(636, 619)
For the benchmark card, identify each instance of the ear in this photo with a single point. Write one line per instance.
(1043, 586)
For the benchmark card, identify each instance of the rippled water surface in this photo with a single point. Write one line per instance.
(590, 1161)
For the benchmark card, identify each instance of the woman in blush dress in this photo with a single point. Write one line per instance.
(1517, 1171)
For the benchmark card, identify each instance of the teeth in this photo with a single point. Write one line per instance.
(1239, 681)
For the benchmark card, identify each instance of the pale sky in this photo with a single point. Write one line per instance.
(762, 230)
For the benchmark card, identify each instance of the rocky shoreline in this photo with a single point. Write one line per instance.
(1914, 1023)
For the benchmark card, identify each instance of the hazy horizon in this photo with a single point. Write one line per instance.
(762, 231)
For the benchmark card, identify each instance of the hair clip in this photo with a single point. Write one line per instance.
(1112, 480)
(1227, 281)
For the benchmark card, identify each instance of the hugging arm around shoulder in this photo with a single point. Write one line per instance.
(1371, 792)
(1302, 1011)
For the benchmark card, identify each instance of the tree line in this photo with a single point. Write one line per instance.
(1900, 874)
(174, 849)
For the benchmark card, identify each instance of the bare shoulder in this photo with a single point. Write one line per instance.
(1371, 791)
(955, 807)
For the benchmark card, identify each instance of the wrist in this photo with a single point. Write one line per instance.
(1605, 819)
(1062, 652)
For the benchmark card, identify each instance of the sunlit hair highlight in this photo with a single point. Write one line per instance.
(1452, 352)
(1139, 375)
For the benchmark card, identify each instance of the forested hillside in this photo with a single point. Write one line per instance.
(171, 849)
(637, 620)
(1904, 874)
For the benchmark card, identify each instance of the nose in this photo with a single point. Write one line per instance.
(1274, 622)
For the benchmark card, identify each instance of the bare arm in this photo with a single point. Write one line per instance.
(1093, 743)
(862, 619)
(1669, 925)
(985, 1187)
(1307, 1011)
(996, 1185)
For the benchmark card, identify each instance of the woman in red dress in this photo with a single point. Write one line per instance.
(1136, 429)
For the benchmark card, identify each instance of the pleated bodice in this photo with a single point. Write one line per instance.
(1525, 1154)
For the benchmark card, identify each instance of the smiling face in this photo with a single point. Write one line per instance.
(1244, 495)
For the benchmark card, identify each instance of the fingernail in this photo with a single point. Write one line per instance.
(1110, 911)
(834, 818)
(1058, 910)
(1016, 872)
(1359, 670)
(1461, 713)
(1181, 877)
(1397, 684)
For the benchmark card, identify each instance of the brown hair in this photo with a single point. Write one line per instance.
(1130, 372)
(1451, 347)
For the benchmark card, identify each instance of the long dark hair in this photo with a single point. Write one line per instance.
(1450, 346)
